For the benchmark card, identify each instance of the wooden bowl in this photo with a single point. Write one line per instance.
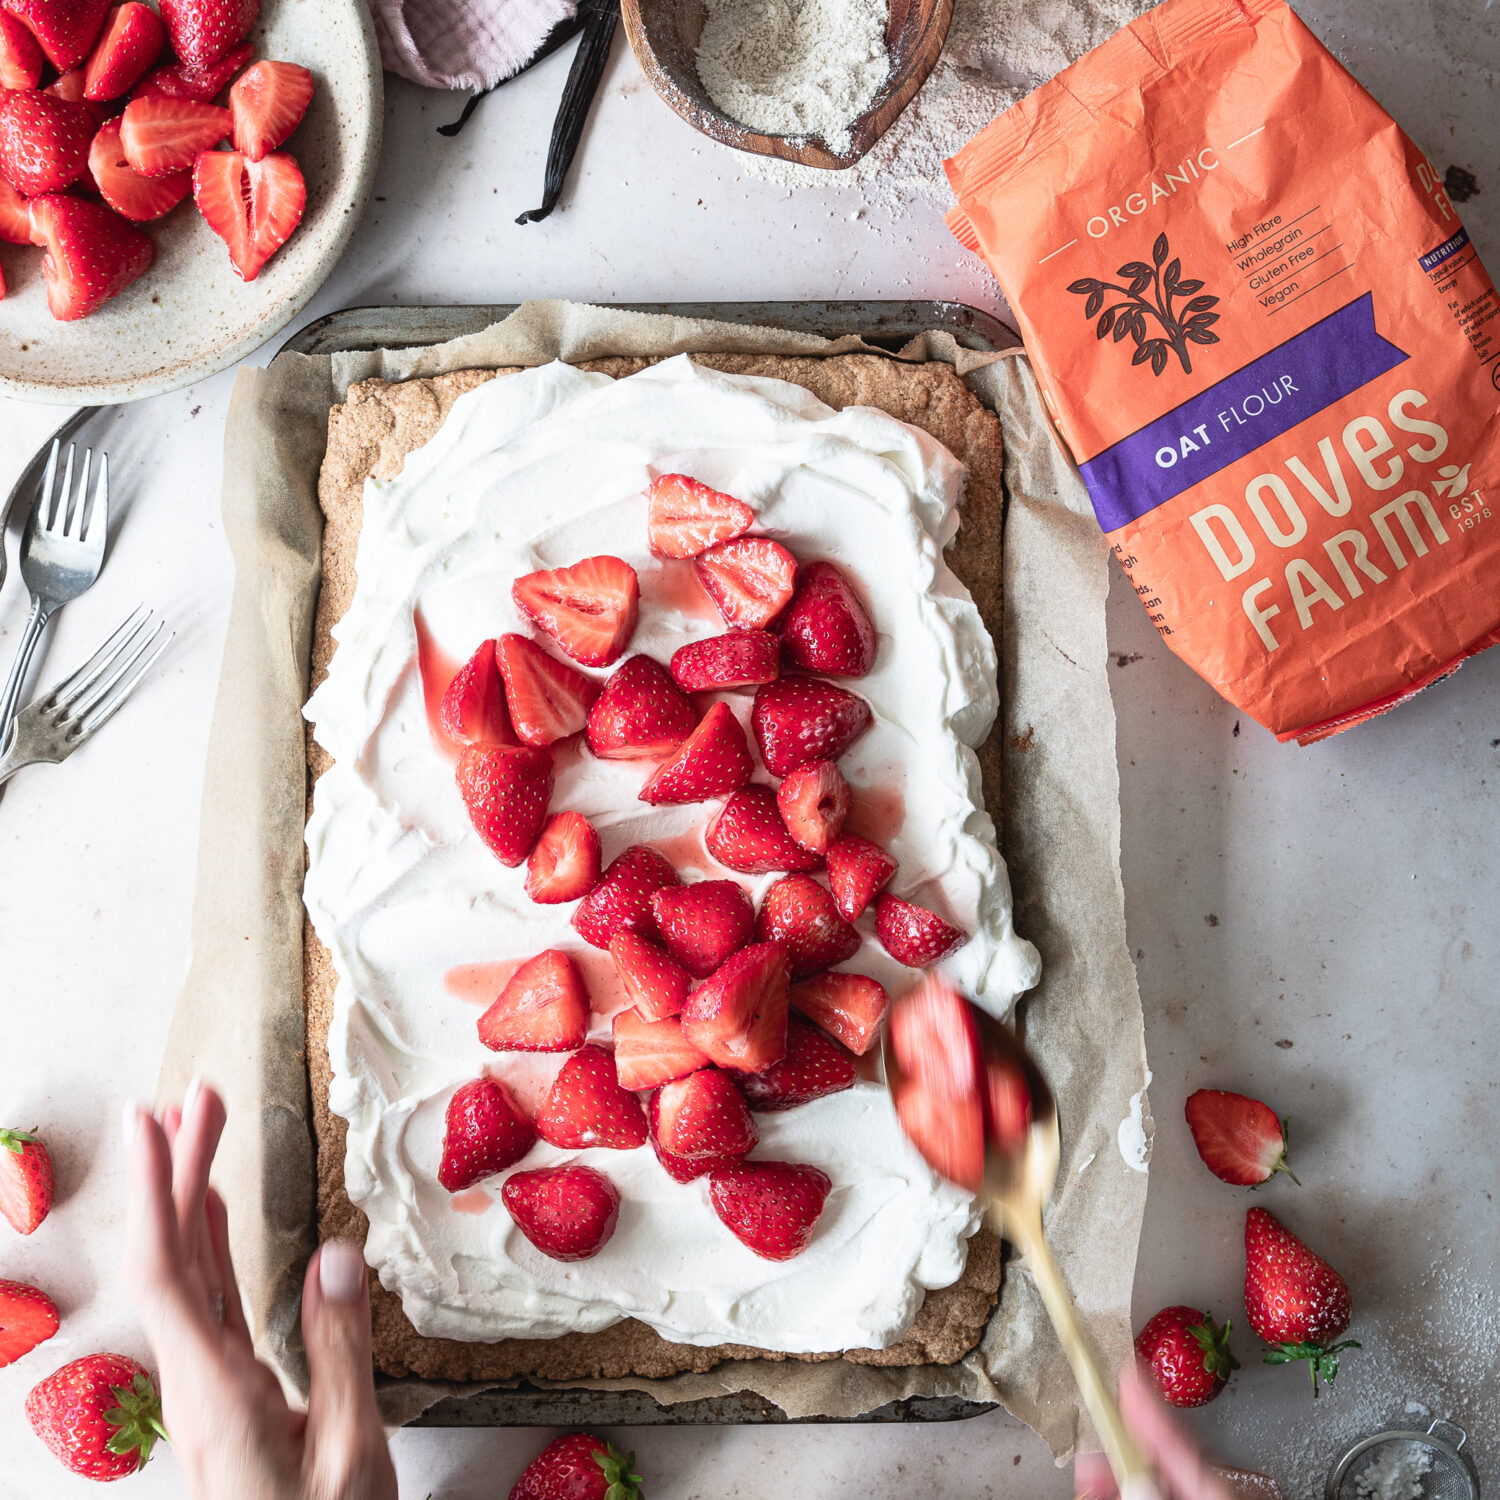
(664, 36)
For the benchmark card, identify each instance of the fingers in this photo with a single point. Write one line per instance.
(1092, 1479)
(197, 1138)
(152, 1252)
(1174, 1454)
(224, 1281)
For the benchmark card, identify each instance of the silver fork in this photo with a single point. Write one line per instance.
(62, 552)
(52, 727)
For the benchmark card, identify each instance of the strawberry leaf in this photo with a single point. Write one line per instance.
(136, 1420)
(1321, 1361)
(16, 1141)
(619, 1474)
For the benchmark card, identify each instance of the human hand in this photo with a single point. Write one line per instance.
(231, 1428)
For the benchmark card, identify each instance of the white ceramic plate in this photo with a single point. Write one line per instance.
(190, 315)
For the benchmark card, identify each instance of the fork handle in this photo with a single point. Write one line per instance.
(36, 622)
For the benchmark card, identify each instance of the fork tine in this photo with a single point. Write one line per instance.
(106, 711)
(43, 512)
(80, 500)
(98, 529)
(87, 672)
(57, 515)
(84, 703)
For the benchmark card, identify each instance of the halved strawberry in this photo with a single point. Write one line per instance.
(180, 80)
(857, 869)
(92, 253)
(703, 923)
(814, 1065)
(161, 135)
(138, 198)
(1007, 1103)
(683, 517)
(814, 801)
(564, 865)
(648, 1053)
(750, 579)
(484, 1132)
(544, 1007)
(202, 31)
(15, 216)
(506, 789)
(268, 101)
(655, 983)
(621, 902)
(798, 720)
(132, 40)
(772, 1207)
(21, 57)
(715, 758)
(851, 1006)
(589, 609)
(702, 1115)
(66, 29)
(473, 709)
(1240, 1139)
(547, 700)
(28, 1317)
(641, 712)
(747, 834)
(44, 142)
(742, 658)
(913, 935)
(568, 1212)
(826, 629)
(25, 1179)
(586, 1106)
(800, 915)
(253, 206)
(737, 1016)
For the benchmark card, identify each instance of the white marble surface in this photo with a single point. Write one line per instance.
(1316, 926)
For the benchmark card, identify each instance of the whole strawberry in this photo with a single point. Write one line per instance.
(577, 1466)
(100, 1415)
(1186, 1354)
(1294, 1299)
(25, 1179)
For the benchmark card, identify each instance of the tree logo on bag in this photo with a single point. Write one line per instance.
(1152, 291)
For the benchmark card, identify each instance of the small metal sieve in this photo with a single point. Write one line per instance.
(1406, 1465)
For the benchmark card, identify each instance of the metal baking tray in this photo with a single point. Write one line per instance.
(886, 325)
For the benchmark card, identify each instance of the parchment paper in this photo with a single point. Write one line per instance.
(238, 1020)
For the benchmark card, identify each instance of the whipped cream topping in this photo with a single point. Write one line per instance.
(537, 470)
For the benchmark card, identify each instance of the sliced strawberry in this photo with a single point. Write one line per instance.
(253, 206)
(750, 579)
(912, 935)
(21, 57)
(1240, 1139)
(139, 199)
(547, 700)
(621, 902)
(814, 1065)
(568, 1212)
(742, 658)
(473, 709)
(800, 915)
(161, 136)
(683, 517)
(28, 1317)
(655, 983)
(179, 80)
(15, 216)
(683, 1169)
(132, 40)
(641, 712)
(747, 834)
(738, 1014)
(1007, 1103)
(506, 789)
(589, 609)
(702, 1115)
(814, 801)
(648, 1053)
(564, 865)
(857, 869)
(851, 1006)
(586, 1106)
(715, 758)
(826, 629)
(544, 1007)
(25, 1179)
(798, 720)
(703, 923)
(484, 1132)
(772, 1207)
(92, 253)
(268, 102)
(203, 31)
(44, 142)
(66, 29)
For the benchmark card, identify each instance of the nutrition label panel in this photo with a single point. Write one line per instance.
(1461, 280)
(1282, 259)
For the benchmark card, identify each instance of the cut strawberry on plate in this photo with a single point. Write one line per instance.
(161, 136)
(484, 1132)
(648, 1053)
(21, 56)
(268, 101)
(92, 253)
(641, 712)
(139, 199)
(912, 934)
(203, 31)
(253, 206)
(703, 923)
(1240, 1139)
(44, 142)
(621, 902)
(564, 865)
(850, 1006)
(750, 579)
(544, 1007)
(28, 1317)
(25, 1179)
(547, 700)
(814, 1065)
(589, 609)
(737, 1016)
(800, 915)
(65, 29)
(747, 834)
(15, 216)
(473, 709)
(741, 658)
(814, 801)
(568, 1213)
(506, 789)
(772, 1207)
(654, 982)
(798, 720)
(714, 759)
(132, 40)
(857, 869)
(684, 517)
(179, 80)
(826, 629)
(702, 1115)
(587, 1106)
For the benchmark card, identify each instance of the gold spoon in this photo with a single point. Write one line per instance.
(1017, 1185)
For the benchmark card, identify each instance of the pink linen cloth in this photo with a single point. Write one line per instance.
(463, 44)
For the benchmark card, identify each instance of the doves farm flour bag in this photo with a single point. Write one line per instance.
(1264, 335)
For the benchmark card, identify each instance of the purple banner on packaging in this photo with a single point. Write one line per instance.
(1239, 414)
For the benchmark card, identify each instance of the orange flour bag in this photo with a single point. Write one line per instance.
(1274, 354)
